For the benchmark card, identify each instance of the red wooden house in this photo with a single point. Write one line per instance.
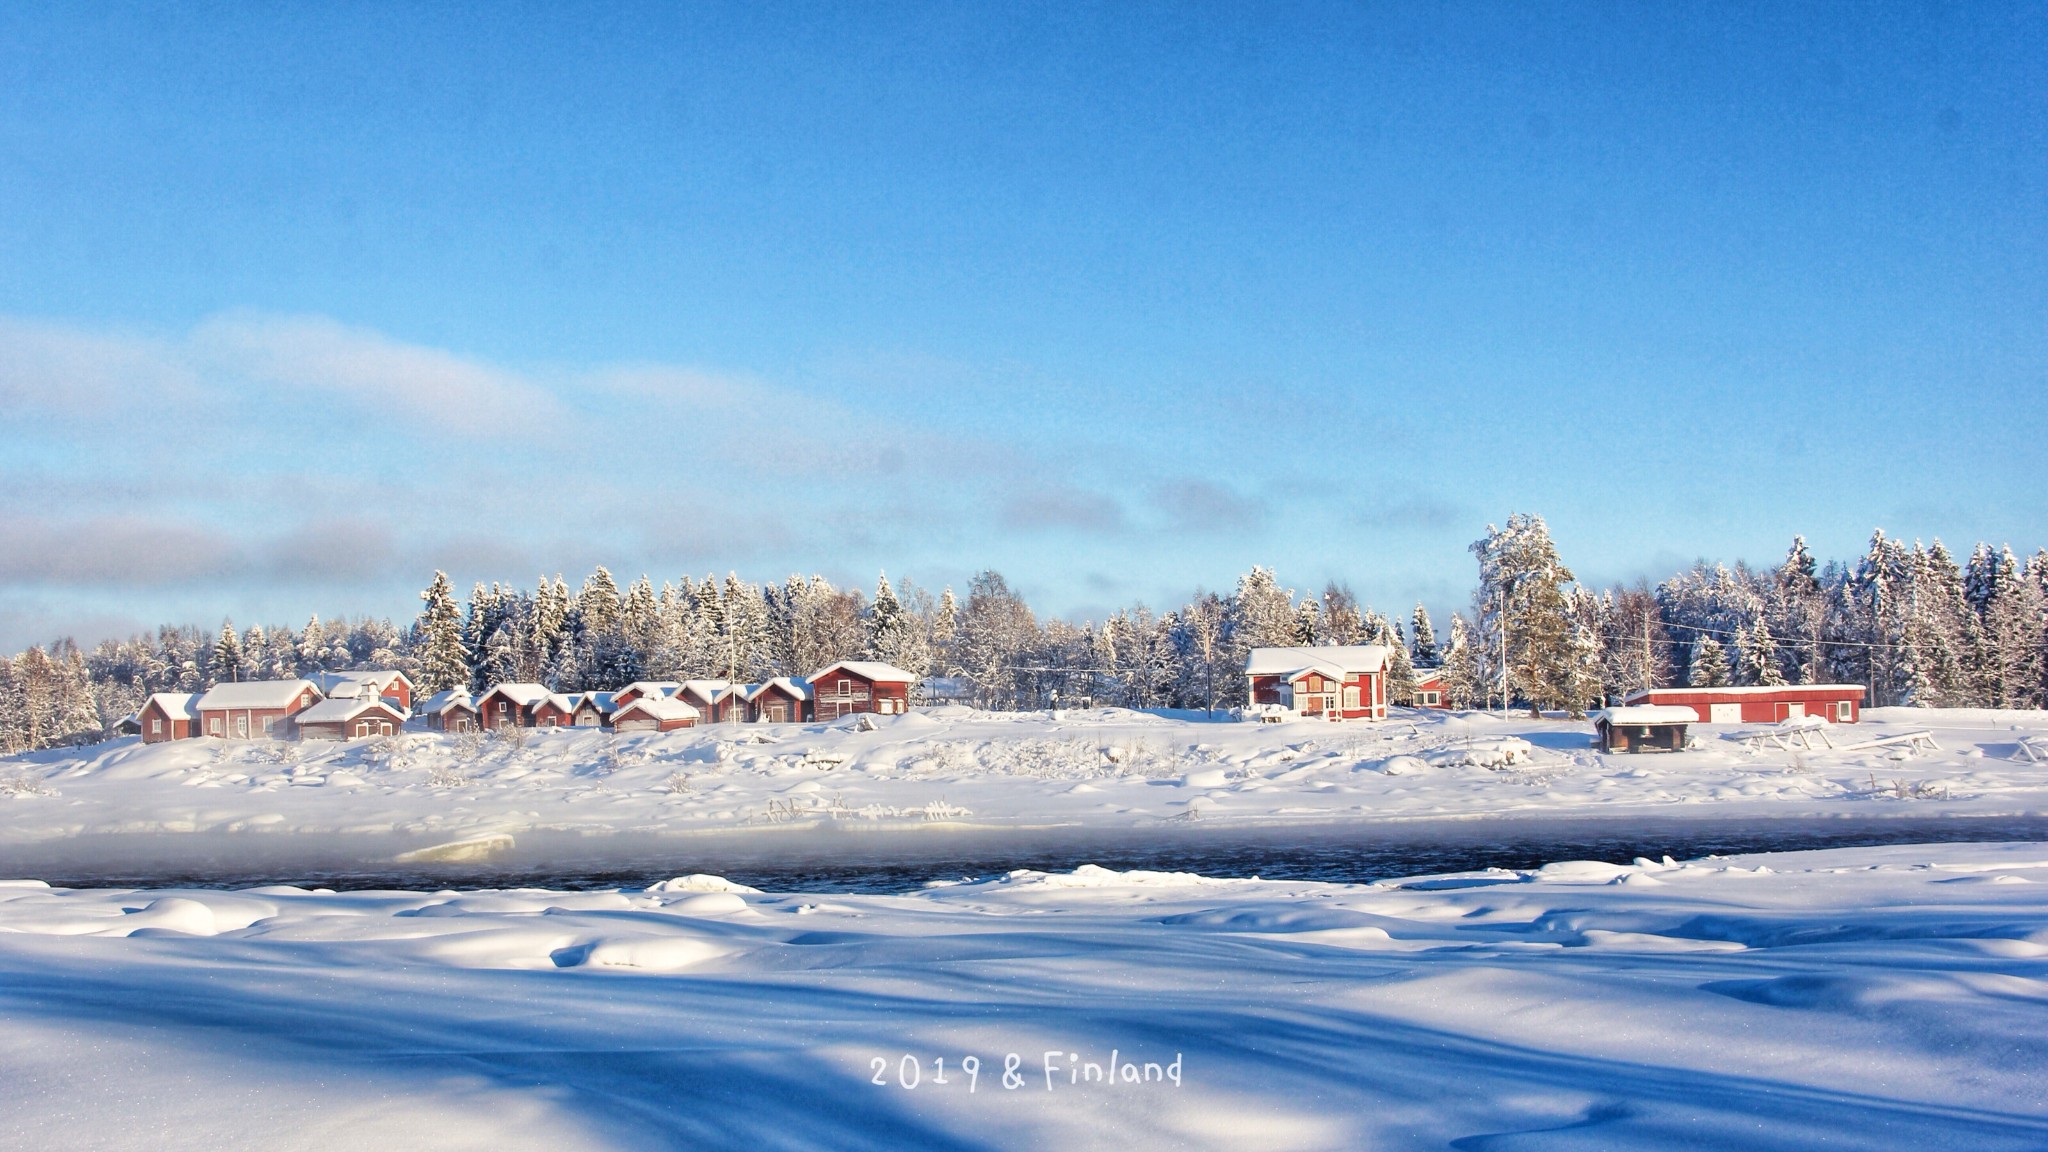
(573, 710)
(510, 705)
(1757, 704)
(859, 686)
(654, 714)
(778, 701)
(253, 708)
(1328, 682)
(350, 718)
(729, 704)
(388, 683)
(703, 696)
(640, 688)
(1429, 688)
(168, 716)
(450, 711)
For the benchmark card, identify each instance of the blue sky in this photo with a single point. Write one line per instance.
(298, 304)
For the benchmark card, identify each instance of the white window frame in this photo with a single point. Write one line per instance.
(156, 726)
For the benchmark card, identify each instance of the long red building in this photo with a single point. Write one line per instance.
(1756, 704)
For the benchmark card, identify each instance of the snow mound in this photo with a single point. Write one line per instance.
(1400, 766)
(700, 882)
(648, 953)
(1096, 876)
(1493, 752)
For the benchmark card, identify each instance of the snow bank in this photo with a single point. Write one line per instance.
(1862, 999)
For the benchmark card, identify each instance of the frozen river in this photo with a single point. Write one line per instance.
(853, 860)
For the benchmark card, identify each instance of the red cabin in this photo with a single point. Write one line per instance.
(641, 688)
(859, 686)
(451, 711)
(654, 714)
(703, 696)
(168, 716)
(391, 685)
(778, 701)
(1757, 704)
(350, 718)
(510, 705)
(1429, 689)
(1329, 682)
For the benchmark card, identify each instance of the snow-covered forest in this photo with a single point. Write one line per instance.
(1911, 622)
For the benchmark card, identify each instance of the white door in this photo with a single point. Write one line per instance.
(1794, 710)
(1724, 713)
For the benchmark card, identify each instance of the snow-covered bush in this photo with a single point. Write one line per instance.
(20, 784)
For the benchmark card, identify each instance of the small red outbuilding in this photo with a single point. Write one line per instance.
(1759, 704)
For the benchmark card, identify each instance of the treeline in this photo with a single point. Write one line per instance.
(1910, 622)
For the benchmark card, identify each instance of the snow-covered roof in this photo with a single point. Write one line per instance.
(520, 692)
(652, 687)
(1336, 660)
(176, 705)
(255, 694)
(572, 701)
(873, 671)
(349, 683)
(743, 691)
(1647, 714)
(794, 687)
(347, 708)
(1747, 690)
(704, 689)
(658, 708)
(441, 702)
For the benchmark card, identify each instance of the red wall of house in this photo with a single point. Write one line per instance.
(446, 721)
(175, 727)
(793, 709)
(828, 702)
(489, 716)
(1761, 707)
(257, 716)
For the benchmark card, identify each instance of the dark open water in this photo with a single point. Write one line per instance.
(835, 860)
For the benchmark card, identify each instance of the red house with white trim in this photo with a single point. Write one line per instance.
(388, 683)
(350, 718)
(654, 714)
(1325, 682)
(859, 686)
(1429, 688)
(778, 701)
(1758, 704)
(168, 716)
(703, 696)
(510, 705)
(450, 711)
(253, 708)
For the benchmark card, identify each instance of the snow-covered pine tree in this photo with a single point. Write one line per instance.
(1709, 664)
(1758, 653)
(444, 661)
(1400, 670)
(1459, 670)
(996, 635)
(1799, 614)
(225, 664)
(2012, 629)
(1308, 621)
(1423, 644)
(1587, 648)
(599, 603)
(1523, 586)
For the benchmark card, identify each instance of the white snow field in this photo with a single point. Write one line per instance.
(1871, 998)
(955, 766)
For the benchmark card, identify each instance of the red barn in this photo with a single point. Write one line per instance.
(168, 716)
(253, 707)
(1429, 688)
(510, 705)
(778, 701)
(654, 714)
(859, 686)
(1756, 704)
(1329, 682)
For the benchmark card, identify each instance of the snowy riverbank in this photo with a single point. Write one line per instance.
(957, 767)
(1864, 998)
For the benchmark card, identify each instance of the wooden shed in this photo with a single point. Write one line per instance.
(782, 700)
(510, 705)
(450, 711)
(1642, 728)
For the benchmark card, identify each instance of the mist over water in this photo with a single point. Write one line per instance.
(844, 860)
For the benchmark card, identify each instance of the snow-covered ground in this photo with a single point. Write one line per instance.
(954, 766)
(1880, 998)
